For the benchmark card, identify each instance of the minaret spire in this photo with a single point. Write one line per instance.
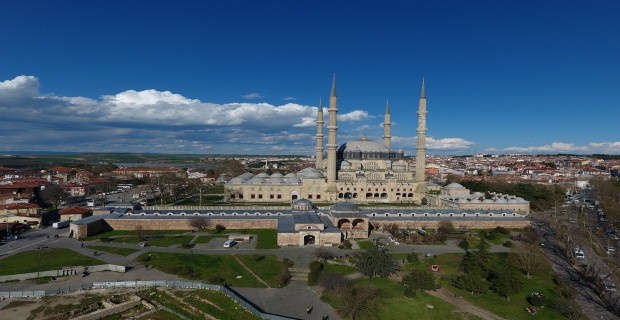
(332, 127)
(319, 136)
(420, 161)
(387, 123)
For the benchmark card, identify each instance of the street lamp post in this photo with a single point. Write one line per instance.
(39, 266)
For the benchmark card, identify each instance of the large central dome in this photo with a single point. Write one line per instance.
(363, 145)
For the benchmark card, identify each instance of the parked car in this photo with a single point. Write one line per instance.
(229, 243)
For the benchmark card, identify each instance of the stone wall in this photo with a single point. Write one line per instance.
(469, 223)
(184, 224)
(297, 239)
(119, 308)
(70, 271)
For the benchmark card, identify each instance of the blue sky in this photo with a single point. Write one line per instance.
(246, 76)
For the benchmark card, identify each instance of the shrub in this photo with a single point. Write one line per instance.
(412, 257)
(501, 230)
(333, 281)
(508, 244)
(187, 245)
(106, 239)
(215, 280)
(464, 244)
(313, 277)
(219, 228)
(536, 301)
(288, 262)
(409, 293)
(347, 244)
(316, 266)
(284, 277)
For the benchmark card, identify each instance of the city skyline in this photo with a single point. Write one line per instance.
(246, 78)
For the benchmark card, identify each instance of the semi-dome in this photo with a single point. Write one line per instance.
(310, 173)
(454, 185)
(302, 203)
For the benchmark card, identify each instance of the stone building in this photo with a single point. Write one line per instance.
(362, 170)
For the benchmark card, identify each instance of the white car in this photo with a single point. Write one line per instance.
(229, 243)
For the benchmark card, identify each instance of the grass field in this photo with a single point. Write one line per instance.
(394, 305)
(267, 267)
(511, 309)
(206, 268)
(266, 238)
(44, 260)
(338, 269)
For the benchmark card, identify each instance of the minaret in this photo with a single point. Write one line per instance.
(319, 136)
(386, 126)
(332, 127)
(420, 158)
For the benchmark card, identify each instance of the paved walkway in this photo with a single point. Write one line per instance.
(464, 305)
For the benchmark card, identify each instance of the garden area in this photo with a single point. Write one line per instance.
(513, 285)
(220, 269)
(44, 260)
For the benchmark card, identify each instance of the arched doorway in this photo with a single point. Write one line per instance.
(309, 240)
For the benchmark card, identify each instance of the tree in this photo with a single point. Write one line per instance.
(445, 228)
(376, 261)
(506, 281)
(231, 167)
(477, 262)
(420, 280)
(528, 258)
(54, 194)
(360, 303)
(200, 224)
(472, 283)
(334, 282)
(199, 187)
(323, 254)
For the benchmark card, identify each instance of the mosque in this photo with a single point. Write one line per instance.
(362, 171)
(326, 201)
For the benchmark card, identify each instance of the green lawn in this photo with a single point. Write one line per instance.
(114, 250)
(204, 267)
(44, 260)
(265, 238)
(267, 267)
(167, 241)
(338, 269)
(395, 306)
(513, 309)
(365, 244)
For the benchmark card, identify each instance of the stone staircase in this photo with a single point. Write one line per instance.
(299, 273)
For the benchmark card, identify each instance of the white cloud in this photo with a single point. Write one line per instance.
(289, 99)
(352, 116)
(18, 88)
(562, 147)
(252, 96)
(433, 143)
(553, 147)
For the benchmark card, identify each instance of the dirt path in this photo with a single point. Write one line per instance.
(464, 305)
(251, 272)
